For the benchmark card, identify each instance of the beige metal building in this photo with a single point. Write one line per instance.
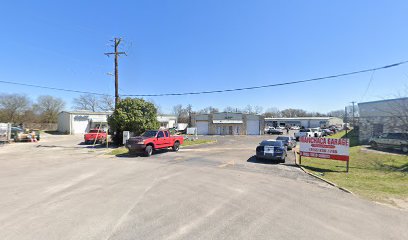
(228, 124)
(385, 116)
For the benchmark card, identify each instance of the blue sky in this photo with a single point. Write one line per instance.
(179, 46)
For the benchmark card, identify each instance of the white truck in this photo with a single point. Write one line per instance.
(308, 132)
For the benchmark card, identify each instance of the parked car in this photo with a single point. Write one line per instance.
(271, 149)
(391, 140)
(306, 132)
(316, 132)
(95, 135)
(20, 135)
(295, 128)
(281, 127)
(273, 130)
(326, 132)
(289, 142)
(152, 140)
(16, 133)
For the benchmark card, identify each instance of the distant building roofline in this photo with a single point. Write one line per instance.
(301, 118)
(86, 112)
(385, 100)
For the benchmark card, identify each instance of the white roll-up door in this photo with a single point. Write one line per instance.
(253, 127)
(202, 127)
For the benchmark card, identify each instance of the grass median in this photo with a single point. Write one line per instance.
(376, 176)
(187, 142)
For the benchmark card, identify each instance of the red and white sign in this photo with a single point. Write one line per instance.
(328, 148)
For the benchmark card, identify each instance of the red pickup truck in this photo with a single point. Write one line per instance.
(152, 140)
(99, 135)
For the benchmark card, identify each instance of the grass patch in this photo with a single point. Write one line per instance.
(118, 151)
(374, 176)
(189, 142)
(352, 135)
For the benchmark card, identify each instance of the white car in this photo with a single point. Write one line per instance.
(295, 128)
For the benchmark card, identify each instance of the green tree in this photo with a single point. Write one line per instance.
(135, 115)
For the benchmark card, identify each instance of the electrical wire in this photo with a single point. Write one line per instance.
(53, 88)
(269, 85)
(213, 91)
(368, 85)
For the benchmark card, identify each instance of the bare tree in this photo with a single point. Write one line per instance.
(248, 109)
(230, 109)
(258, 110)
(48, 108)
(13, 106)
(272, 112)
(208, 110)
(177, 109)
(290, 112)
(86, 102)
(397, 109)
(106, 103)
(337, 113)
(183, 114)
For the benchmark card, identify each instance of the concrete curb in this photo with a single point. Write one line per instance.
(322, 179)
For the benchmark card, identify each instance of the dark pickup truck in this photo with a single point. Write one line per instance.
(152, 140)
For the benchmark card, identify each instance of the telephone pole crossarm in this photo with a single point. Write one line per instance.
(117, 54)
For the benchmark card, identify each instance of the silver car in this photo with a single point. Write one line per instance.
(289, 142)
(391, 140)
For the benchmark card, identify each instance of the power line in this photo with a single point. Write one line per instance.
(215, 91)
(53, 88)
(266, 86)
(368, 86)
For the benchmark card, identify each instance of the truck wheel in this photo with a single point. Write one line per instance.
(148, 151)
(283, 160)
(176, 146)
(404, 149)
(373, 145)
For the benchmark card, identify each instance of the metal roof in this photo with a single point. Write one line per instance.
(385, 100)
(301, 118)
(87, 112)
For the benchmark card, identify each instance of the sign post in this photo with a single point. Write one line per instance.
(326, 148)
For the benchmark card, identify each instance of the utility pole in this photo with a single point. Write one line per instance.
(116, 53)
(345, 118)
(354, 123)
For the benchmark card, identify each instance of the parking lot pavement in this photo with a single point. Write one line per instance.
(57, 189)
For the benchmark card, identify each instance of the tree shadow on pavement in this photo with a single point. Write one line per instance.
(141, 154)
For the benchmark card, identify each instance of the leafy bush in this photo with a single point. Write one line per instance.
(133, 114)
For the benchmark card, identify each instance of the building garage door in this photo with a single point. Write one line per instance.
(202, 127)
(253, 127)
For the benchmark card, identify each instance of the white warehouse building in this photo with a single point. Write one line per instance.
(80, 122)
(307, 122)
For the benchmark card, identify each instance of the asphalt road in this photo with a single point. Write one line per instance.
(56, 189)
